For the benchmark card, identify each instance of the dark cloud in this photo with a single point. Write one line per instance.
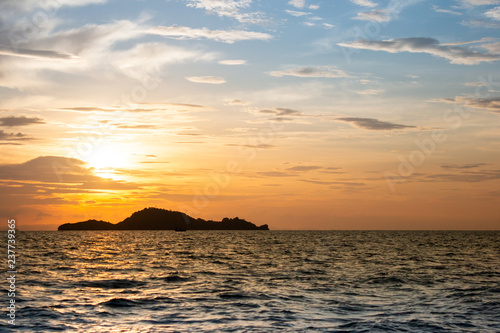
(373, 124)
(490, 104)
(282, 112)
(4, 136)
(20, 121)
(275, 174)
(322, 182)
(465, 177)
(304, 168)
(463, 166)
(311, 72)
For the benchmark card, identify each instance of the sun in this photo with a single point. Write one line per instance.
(107, 159)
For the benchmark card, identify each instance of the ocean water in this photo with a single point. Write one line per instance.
(256, 281)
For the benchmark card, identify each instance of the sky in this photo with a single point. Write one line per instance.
(301, 114)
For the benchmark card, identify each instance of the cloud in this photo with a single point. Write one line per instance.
(143, 107)
(59, 50)
(490, 104)
(235, 62)
(236, 9)
(29, 53)
(373, 124)
(304, 168)
(456, 54)
(494, 13)
(296, 13)
(475, 84)
(445, 11)
(236, 102)
(364, 3)
(226, 36)
(48, 169)
(49, 180)
(465, 176)
(28, 5)
(4, 136)
(463, 166)
(274, 174)
(19, 121)
(311, 72)
(282, 112)
(481, 24)
(297, 3)
(140, 127)
(206, 79)
(258, 146)
(283, 115)
(479, 2)
(375, 15)
(370, 92)
(322, 182)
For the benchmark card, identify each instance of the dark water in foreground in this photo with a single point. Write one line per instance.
(257, 281)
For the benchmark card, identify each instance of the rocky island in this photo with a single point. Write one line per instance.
(162, 219)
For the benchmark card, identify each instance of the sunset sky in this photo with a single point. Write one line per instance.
(302, 114)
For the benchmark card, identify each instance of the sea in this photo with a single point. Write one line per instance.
(255, 281)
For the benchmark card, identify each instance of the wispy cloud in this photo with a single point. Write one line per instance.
(371, 92)
(375, 15)
(479, 2)
(364, 3)
(475, 23)
(490, 104)
(296, 13)
(237, 9)
(30, 53)
(373, 124)
(206, 79)
(59, 170)
(234, 62)
(463, 166)
(144, 107)
(311, 72)
(464, 176)
(456, 54)
(226, 36)
(445, 11)
(27, 5)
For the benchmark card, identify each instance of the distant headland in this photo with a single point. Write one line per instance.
(162, 219)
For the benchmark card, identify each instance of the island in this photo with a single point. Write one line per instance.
(163, 219)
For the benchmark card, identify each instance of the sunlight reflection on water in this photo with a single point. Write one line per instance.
(212, 281)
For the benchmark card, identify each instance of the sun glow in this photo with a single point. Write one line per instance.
(107, 159)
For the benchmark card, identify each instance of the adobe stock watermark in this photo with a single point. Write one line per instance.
(86, 145)
(11, 271)
(454, 118)
(30, 26)
(220, 180)
(373, 27)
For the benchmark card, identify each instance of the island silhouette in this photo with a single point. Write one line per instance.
(162, 219)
